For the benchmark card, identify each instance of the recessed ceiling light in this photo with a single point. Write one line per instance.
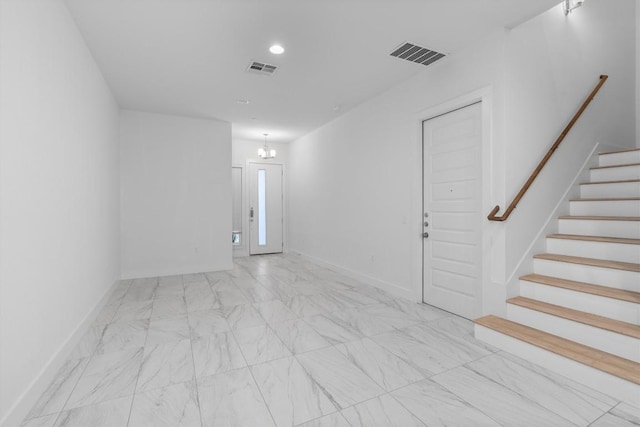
(243, 101)
(276, 49)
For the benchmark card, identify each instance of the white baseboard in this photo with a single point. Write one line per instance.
(380, 284)
(140, 274)
(25, 402)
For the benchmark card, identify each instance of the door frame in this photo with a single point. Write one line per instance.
(247, 202)
(242, 249)
(483, 95)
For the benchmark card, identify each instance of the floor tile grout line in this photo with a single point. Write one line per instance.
(605, 413)
(389, 392)
(394, 398)
(466, 365)
(374, 381)
(496, 383)
(463, 400)
(248, 367)
(293, 356)
(358, 368)
(135, 387)
(322, 416)
(89, 358)
(320, 387)
(545, 373)
(463, 339)
(404, 406)
(193, 361)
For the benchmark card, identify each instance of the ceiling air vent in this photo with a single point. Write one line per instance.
(417, 54)
(261, 68)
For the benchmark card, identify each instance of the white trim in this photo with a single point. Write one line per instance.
(239, 250)
(367, 280)
(20, 409)
(485, 96)
(525, 264)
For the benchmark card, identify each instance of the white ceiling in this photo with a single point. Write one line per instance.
(188, 57)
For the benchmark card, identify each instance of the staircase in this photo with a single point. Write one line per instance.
(578, 313)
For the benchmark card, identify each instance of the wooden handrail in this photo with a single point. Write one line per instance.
(492, 215)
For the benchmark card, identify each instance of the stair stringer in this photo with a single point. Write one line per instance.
(538, 245)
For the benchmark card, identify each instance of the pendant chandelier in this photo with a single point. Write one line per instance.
(265, 152)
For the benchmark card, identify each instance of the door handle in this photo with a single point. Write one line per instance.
(251, 214)
(425, 235)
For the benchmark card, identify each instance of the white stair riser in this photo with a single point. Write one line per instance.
(602, 339)
(589, 227)
(624, 311)
(601, 250)
(613, 174)
(613, 190)
(620, 279)
(622, 158)
(605, 208)
(618, 388)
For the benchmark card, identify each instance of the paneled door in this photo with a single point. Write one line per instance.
(265, 208)
(452, 217)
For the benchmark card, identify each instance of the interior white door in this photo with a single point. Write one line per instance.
(265, 208)
(452, 171)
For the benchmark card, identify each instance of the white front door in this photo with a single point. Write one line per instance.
(452, 264)
(265, 208)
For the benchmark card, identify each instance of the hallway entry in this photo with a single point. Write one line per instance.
(452, 217)
(265, 208)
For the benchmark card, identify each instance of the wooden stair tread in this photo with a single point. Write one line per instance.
(616, 265)
(610, 182)
(594, 320)
(587, 288)
(622, 165)
(601, 217)
(602, 239)
(598, 359)
(620, 151)
(614, 199)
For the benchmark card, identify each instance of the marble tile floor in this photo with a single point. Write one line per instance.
(279, 341)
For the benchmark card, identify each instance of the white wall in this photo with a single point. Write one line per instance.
(175, 194)
(552, 64)
(58, 193)
(355, 183)
(243, 152)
